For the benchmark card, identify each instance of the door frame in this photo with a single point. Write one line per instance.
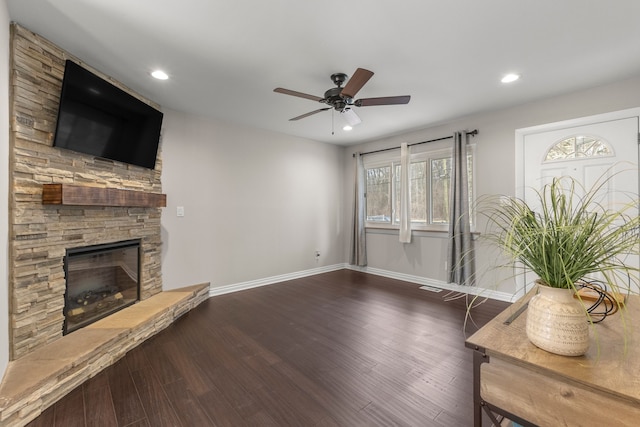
(582, 121)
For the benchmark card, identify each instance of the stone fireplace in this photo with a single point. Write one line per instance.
(100, 280)
(77, 217)
(42, 234)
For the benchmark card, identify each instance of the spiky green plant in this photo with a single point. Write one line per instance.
(569, 236)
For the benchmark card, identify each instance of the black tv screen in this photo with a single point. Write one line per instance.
(99, 119)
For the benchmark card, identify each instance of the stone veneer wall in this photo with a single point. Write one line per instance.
(39, 234)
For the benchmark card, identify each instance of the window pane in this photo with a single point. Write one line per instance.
(379, 194)
(419, 192)
(396, 193)
(440, 182)
(418, 188)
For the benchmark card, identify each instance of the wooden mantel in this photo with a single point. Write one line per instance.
(79, 195)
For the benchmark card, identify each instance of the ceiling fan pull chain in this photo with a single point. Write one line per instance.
(332, 126)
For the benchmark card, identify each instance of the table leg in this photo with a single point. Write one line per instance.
(479, 357)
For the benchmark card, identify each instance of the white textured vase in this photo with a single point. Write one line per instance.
(557, 322)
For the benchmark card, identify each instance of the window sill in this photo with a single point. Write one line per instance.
(440, 234)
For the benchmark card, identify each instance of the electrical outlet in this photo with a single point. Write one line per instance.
(317, 254)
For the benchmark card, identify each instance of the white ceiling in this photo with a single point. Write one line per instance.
(225, 57)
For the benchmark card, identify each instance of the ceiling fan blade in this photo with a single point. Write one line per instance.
(355, 83)
(351, 117)
(385, 100)
(298, 94)
(309, 114)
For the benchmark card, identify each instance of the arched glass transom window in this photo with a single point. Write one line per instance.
(576, 147)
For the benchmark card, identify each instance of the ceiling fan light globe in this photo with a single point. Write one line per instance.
(350, 117)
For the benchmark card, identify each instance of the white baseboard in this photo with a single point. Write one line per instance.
(423, 281)
(221, 290)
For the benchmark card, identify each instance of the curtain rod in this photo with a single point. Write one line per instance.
(472, 133)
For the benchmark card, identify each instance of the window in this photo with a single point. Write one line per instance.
(379, 194)
(577, 147)
(430, 180)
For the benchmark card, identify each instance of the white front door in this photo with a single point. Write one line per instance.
(586, 149)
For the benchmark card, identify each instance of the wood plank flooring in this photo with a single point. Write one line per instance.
(337, 349)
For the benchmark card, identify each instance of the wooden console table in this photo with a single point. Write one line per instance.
(532, 387)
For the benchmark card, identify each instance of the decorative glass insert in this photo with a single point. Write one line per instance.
(576, 147)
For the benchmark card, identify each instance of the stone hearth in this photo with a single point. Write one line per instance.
(36, 381)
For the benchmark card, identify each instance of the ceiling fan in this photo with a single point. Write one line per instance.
(342, 99)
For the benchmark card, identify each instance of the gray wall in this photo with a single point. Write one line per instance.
(257, 204)
(4, 185)
(495, 174)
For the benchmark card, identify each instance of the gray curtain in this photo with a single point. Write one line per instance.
(358, 236)
(461, 257)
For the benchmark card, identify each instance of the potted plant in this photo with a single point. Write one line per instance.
(566, 236)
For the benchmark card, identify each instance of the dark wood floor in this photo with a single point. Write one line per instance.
(337, 349)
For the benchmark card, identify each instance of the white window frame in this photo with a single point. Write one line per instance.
(392, 159)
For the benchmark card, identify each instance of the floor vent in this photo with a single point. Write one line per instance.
(430, 288)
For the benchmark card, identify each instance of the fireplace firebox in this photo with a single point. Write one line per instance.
(100, 280)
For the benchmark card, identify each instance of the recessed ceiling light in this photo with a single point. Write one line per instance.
(160, 75)
(509, 78)
(347, 128)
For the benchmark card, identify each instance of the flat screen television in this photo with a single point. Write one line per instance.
(99, 119)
